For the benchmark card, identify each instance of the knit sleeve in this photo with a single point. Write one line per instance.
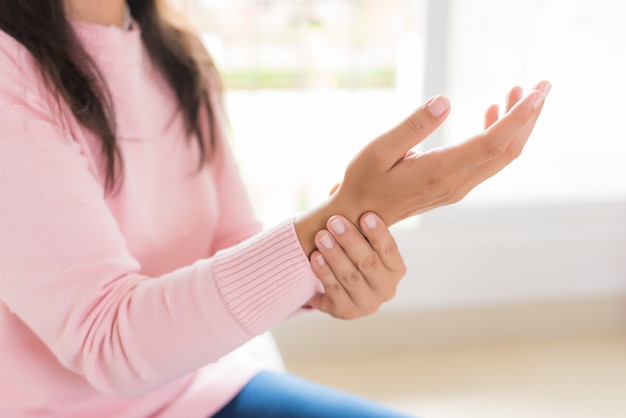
(66, 272)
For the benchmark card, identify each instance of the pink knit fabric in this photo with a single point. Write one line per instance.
(127, 305)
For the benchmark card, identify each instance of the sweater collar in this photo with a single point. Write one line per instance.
(110, 43)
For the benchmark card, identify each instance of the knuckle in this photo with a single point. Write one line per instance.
(369, 262)
(416, 125)
(378, 158)
(494, 148)
(456, 197)
(448, 190)
(433, 182)
(401, 271)
(389, 293)
(513, 155)
(347, 314)
(388, 251)
(437, 177)
(371, 308)
(388, 289)
(463, 191)
(352, 277)
(332, 288)
(447, 194)
(514, 152)
(372, 156)
(435, 171)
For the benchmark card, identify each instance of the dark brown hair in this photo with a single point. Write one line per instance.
(42, 27)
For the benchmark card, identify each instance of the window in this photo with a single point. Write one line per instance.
(578, 149)
(309, 82)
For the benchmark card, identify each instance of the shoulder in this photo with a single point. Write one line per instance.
(22, 82)
(16, 62)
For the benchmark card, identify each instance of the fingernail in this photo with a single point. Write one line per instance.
(370, 221)
(320, 260)
(538, 100)
(438, 106)
(547, 88)
(327, 241)
(338, 226)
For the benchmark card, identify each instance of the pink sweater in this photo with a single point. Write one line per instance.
(127, 305)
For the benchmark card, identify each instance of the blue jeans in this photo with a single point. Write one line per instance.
(283, 395)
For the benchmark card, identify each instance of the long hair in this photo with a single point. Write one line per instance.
(43, 29)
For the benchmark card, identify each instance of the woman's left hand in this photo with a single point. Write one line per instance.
(358, 269)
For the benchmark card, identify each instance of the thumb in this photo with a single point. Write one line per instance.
(393, 145)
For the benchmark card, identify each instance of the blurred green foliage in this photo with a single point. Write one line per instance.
(265, 78)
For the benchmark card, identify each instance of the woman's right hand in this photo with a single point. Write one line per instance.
(359, 268)
(387, 178)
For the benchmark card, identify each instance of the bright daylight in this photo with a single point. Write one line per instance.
(312, 209)
(514, 301)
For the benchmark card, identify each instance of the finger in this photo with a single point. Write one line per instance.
(496, 139)
(387, 251)
(381, 240)
(323, 303)
(366, 251)
(479, 174)
(357, 267)
(514, 96)
(392, 146)
(484, 171)
(335, 299)
(544, 86)
(513, 151)
(345, 271)
(491, 115)
(357, 248)
(361, 299)
(517, 127)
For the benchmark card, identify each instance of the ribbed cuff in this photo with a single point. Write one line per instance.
(265, 279)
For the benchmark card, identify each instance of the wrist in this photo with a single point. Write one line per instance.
(311, 222)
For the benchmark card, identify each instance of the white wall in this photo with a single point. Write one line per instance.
(461, 256)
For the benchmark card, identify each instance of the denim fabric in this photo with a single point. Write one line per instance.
(283, 395)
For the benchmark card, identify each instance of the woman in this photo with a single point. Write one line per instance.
(131, 264)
